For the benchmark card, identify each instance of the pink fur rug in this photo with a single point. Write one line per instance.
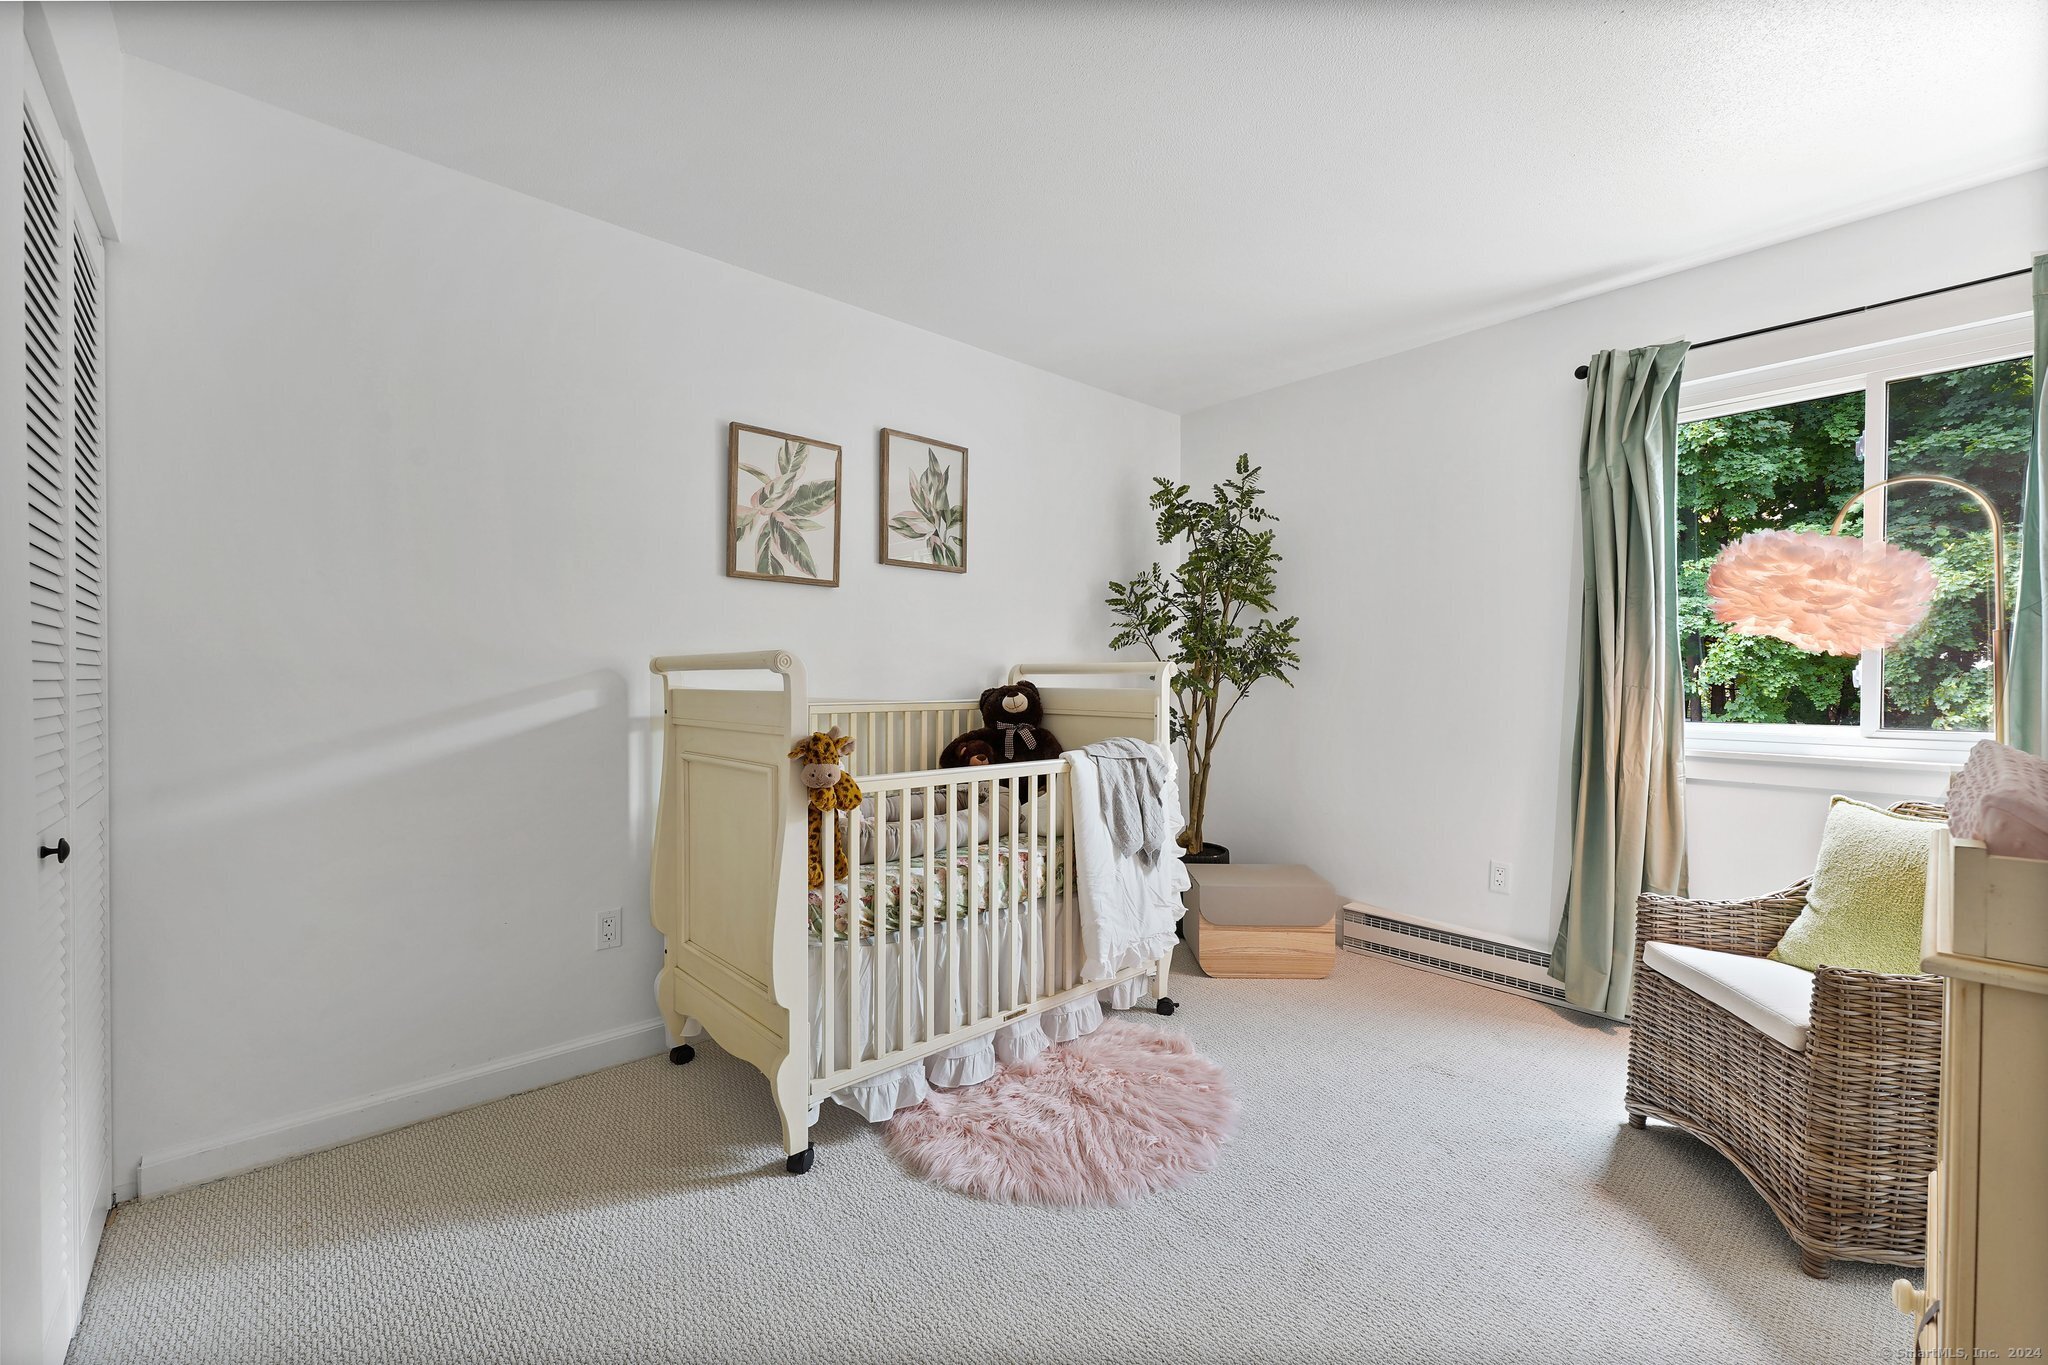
(1126, 1110)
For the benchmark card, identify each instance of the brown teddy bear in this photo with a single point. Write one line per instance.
(1012, 731)
(1016, 715)
(971, 750)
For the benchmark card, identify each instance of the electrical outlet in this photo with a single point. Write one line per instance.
(610, 929)
(1497, 878)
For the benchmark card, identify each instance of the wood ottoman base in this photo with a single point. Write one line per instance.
(1295, 952)
(1261, 920)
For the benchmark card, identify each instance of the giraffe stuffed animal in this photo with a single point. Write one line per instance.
(832, 788)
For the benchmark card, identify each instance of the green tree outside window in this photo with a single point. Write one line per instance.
(1791, 467)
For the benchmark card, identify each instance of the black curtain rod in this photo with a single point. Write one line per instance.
(1583, 371)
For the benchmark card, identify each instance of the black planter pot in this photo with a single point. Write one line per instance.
(1211, 853)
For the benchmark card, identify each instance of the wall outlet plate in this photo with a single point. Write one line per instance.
(610, 929)
(1498, 876)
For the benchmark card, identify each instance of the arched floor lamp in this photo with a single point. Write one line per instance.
(1833, 594)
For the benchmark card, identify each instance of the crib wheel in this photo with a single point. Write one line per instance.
(801, 1162)
(1166, 1005)
(681, 1053)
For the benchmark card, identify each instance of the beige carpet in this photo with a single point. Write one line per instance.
(1425, 1171)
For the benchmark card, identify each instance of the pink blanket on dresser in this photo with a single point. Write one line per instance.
(2000, 799)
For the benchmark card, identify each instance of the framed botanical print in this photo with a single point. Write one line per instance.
(782, 522)
(924, 503)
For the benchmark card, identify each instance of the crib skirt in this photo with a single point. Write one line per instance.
(1003, 978)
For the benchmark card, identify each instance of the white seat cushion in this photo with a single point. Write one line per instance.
(1775, 998)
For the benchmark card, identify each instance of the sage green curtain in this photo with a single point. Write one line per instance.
(1628, 793)
(2026, 673)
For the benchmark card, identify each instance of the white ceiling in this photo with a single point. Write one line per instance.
(1182, 202)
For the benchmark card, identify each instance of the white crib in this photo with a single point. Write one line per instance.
(945, 928)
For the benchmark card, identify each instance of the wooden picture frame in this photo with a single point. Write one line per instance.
(919, 518)
(762, 461)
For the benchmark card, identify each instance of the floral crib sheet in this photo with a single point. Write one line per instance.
(981, 874)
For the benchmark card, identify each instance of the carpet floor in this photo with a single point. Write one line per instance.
(1424, 1170)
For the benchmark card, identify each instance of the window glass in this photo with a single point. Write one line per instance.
(1788, 467)
(1972, 424)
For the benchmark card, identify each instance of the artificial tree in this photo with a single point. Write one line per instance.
(1211, 617)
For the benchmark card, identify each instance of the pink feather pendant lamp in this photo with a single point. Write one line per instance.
(1836, 594)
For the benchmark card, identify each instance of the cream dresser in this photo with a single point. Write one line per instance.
(1986, 1295)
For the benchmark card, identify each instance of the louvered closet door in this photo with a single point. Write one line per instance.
(45, 307)
(63, 271)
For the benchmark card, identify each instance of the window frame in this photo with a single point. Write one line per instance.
(1862, 353)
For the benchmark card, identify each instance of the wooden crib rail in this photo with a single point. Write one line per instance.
(939, 777)
(1148, 669)
(763, 661)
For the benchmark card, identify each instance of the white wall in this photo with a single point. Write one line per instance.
(1754, 827)
(78, 52)
(412, 476)
(1429, 506)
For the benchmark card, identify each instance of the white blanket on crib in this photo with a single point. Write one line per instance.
(1128, 910)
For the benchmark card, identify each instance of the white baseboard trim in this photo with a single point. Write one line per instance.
(399, 1107)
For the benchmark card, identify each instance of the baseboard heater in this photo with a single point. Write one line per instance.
(1503, 966)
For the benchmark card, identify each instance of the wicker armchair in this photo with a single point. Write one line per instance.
(1839, 1138)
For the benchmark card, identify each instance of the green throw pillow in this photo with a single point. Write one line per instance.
(1863, 909)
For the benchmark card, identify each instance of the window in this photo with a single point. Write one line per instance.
(1786, 468)
(1782, 446)
(1973, 424)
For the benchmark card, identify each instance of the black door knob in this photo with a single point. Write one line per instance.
(62, 850)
